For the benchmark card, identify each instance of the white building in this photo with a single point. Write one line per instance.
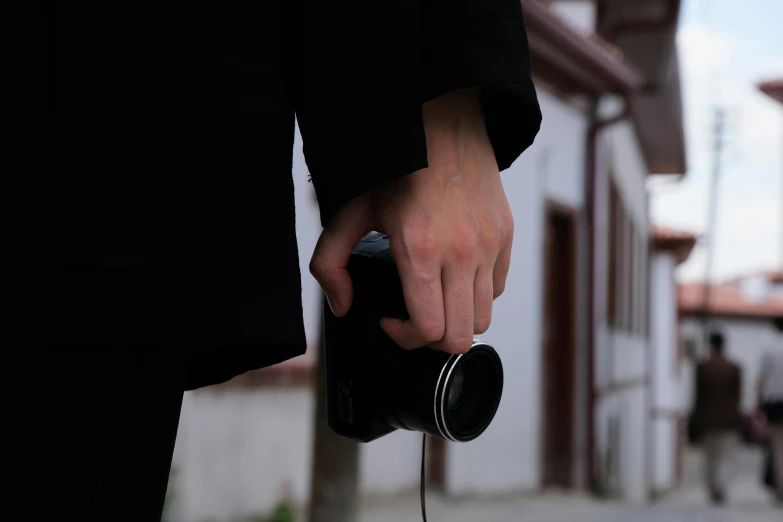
(670, 249)
(574, 408)
(645, 138)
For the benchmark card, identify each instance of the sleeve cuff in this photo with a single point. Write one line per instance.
(394, 155)
(495, 58)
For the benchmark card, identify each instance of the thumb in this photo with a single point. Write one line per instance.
(332, 252)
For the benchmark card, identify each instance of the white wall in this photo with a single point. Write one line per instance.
(663, 332)
(557, 157)
(578, 14)
(665, 436)
(391, 464)
(666, 372)
(507, 457)
(308, 229)
(235, 451)
(625, 400)
(627, 161)
(621, 359)
(629, 449)
(746, 342)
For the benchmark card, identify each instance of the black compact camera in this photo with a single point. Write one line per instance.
(375, 387)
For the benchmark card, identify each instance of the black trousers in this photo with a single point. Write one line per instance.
(88, 436)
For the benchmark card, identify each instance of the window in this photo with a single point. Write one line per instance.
(644, 299)
(627, 281)
(614, 246)
(640, 284)
(628, 274)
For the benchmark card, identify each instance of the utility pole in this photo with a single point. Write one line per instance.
(717, 160)
(717, 163)
(334, 487)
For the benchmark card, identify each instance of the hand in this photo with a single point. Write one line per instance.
(450, 230)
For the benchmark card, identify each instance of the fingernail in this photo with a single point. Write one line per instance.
(333, 305)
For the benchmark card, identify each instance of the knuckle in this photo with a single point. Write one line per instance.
(498, 289)
(318, 268)
(420, 243)
(464, 247)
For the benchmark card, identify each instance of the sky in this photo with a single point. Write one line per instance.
(726, 47)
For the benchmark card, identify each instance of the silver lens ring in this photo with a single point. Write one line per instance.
(445, 431)
(440, 421)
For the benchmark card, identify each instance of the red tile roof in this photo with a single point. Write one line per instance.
(666, 233)
(773, 88)
(726, 300)
(773, 276)
(678, 241)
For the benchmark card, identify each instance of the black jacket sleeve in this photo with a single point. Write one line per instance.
(364, 70)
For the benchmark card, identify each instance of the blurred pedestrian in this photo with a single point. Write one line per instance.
(770, 394)
(717, 416)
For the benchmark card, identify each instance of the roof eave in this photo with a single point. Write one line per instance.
(582, 60)
(773, 89)
(645, 31)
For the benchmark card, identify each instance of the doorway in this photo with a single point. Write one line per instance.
(558, 350)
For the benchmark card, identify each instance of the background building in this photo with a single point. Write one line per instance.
(644, 139)
(667, 359)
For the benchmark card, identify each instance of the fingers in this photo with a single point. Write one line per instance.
(420, 273)
(482, 300)
(458, 284)
(450, 274)
(331, 254)
(502, 264)
(447, 297)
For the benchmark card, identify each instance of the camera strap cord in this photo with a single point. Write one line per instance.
(423, 452)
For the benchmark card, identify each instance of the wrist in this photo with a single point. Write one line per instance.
(457, 139)
(456, 114)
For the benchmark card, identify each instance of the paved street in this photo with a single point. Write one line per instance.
(749, 503)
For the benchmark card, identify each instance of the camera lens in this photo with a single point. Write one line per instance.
(455, 389)
(470, 394)
(450, 396)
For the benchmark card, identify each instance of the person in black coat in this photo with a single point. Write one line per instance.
(151, 242)
(717, 416)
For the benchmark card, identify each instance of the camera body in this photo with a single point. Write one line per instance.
(374, 387)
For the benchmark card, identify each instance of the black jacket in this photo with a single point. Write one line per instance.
(718, 396)
(150, 146)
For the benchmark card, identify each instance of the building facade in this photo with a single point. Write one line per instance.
(636, 137)
(667, 434)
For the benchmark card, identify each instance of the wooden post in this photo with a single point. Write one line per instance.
(335, 473)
